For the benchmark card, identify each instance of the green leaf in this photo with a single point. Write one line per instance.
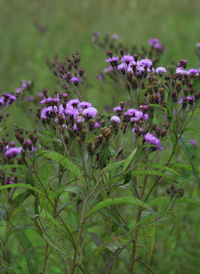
(65, 162)
(45, 173)
(20, 185)
(162, 167)
(112, 166)
(141, 95)
(190, 154)
(129, 160)
(55, 236)
(29, 176)
(151, 172)
(158, 106)
(181, 166)
(115, 201)
(98, 241)
(31, 258)
(12, 166)
(109, 262)
(165, 200)
(150, 236)
(196, 83)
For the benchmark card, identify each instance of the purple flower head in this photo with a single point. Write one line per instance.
(198, 45)
(113, 60)
(181, 71)
(116, 119)
(145, 63)
(127, 59)
(12, 152)
(70, 111)
(83, 105)
(193, 142)
(74, 103)
(193, 71)
(100, 77)
(153, 41)
(106, 70)
(75, 80)
(8, 99)
(80, 119)
(140, 70)
(161, 70)
(90, 112)
(117, 109)
(187, 99)
(122, 66)
(96, 125)
(47, 110)
(158, 47)
(153, 140)
(115, 36)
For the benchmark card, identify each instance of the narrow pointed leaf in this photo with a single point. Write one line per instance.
(115, 201)
(190, 154)
(150, 236)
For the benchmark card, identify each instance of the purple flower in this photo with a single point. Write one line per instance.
(122, 66)
(145, 63)
(75, 80)
(193, 142)
(115, 36)
(153, 140)
(153, 41)
(198, 45)
(90, 112)
(113, 60)
(70, 111)
(116, 119)
(106, 70)
(181, 71)
(80, 119)
(117, 109)
(100, 77)
(12, 152)
(193, 71)
(96, 125)
(187, 99)
(73, 102)
(127, 59)
(83, 105)
(161, 70)
(47, 110)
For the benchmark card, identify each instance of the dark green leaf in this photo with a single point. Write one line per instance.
(121, 200)
(65, 162)
(196, 83)
(150, 236)
(129, 160)
(20, 185)
(31, 258)
(191, 156)
(54, 234)
(151, 172)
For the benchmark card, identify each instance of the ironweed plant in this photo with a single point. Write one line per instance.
(86, 181)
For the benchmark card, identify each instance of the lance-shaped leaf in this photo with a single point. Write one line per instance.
(65, 162)
(115, 201)
(109, 262)
(31, 258)
(165, 200)
(196, 83)
(55, 236)
(162, 167)
(129, 160)
(190, 154)
(151, 172)
(21, 185)
(150, 236)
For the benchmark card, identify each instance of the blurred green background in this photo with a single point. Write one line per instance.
(32, 31)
